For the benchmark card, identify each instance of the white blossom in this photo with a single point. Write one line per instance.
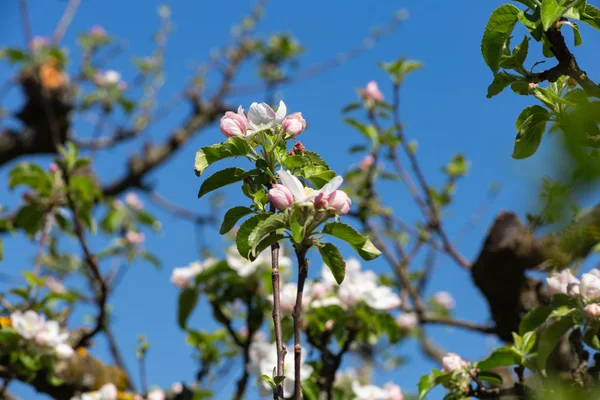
(27, 324)
(246, 267)
(261, 117)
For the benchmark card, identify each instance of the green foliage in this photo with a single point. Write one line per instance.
(188, 299)
(497, 33)
(363, 246)
(549, 338)
(531, 125)
(334, 260)
(232, 147)
(220, 179)
(242, 238)
(400, 68)
(232, 216)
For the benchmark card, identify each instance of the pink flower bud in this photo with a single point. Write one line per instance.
(590, 286)
(372, 92)
(39, 41)
(177, 388)
(135, 237)
(592, 310)
(233, 124)
(366, 162)
(407, 321)
(299, 147)
(322, 201)
(97, 31)
(445, 300)
(133, 201)
(53, 168)
(340, 201)
(393, 391)
(451, 362)
(280, 196)
(55, 285)
(294, 124)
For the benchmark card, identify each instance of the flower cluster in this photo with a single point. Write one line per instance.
(390, 391)
(291, 191)
(110, 78)
(261, 117)
(47, 334)
(182, 277)
(263, 358)
(245, 268)
(358, 287)
(110, 392)
(587, 289)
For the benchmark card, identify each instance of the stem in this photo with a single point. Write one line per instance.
(278, 393)
(297, 315)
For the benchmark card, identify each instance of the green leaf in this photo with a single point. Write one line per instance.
(549, 338)
(232, 147)
(232, 216)
(29, 362)
(278, 379)
(334, 260)
(361, 244)
(496, 34)
(551, 11)
(265, 243)
(426, 383)
(187, 302)
(369, 131)
(518, 56)
(528, 342)
(490, 377)
(296, 228)
(591, 16)
(264, 228)
(500, 82)
(577, 39)
(31, 175)
(534, 318)
(13, 55)
(30, 219)
(501, 357)
(321, 179)
(531, 125)
(591, 339)
(221, 179)
(400, 68)
(241, 240)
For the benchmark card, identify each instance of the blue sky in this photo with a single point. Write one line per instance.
(443, 107)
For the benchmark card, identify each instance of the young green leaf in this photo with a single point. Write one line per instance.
(591, 16)
(334, 260)
(296, 228)
(361, 244)
(591, 339)
(221, 179)
(264, 244)
(501, 357)
(531, 125)
(241, 239)
(187, 302)
(550, 13)
(426, 383)
(534, 318)
(500, 82)
(549, 338)
(232, 147)
(264, 228)
(232, 216)
(496, 34)
(518, 56)
(490, 377)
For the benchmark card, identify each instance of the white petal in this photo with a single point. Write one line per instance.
(240, 111)
(291, 182)
(261, 115)
(332, 185)
(281, 112)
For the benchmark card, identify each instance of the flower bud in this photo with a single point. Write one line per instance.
(135, 237)
(176, 388)
(133, 201)
(280, 196)
(64, 351)
(294, 124)
(407, 321)
(366, 162)
(299, 147)
(55, 285)
(234, 124)
(108, 392)
(322, 201)
(445, 300)
(329, 325)
(558, 283)
(592, 310)
(590, 286)
(53, 168)
(156, 394)
(452, 362)
(340, 201)
(97, 31)
(372, 92)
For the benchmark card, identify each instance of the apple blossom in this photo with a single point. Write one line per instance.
(134, 237)
(303, 194)
(299, 147)
(97, 31)
(27, 324)
(50, 334)
(156, 394)
(183, 276)
(108, 78)
(55, 285)
(133, 201)
(369, 392)
(262, 117)
(234, 124)
(452, 362)
(394, 391)
(592, 310)
(294, 124)
(39, 42)
(340, 201)
(108, 392)
(407, 321)
(590, 286)
(329, 325)
(64, 351)
(288, 296)
(558, 283)
(372, 92)
(280, 196)
(53, 168)
(244, 267)
(445, 300)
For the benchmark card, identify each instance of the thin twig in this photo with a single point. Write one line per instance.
(275, 281)
(65, 20)
(297, 316)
